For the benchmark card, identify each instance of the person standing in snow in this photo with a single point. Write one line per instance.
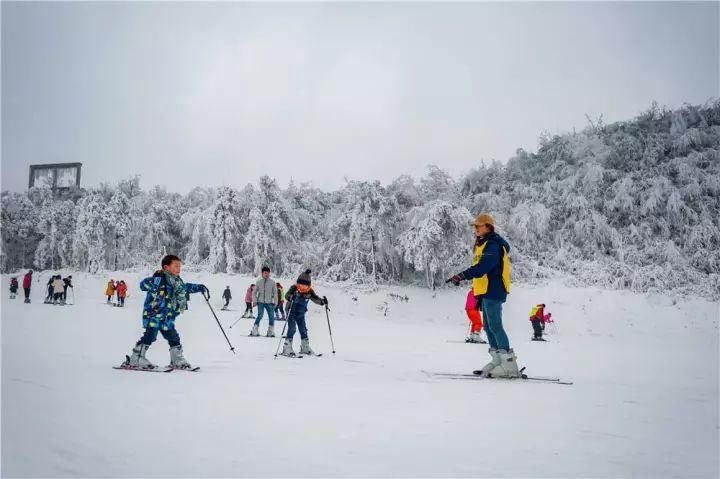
(249, 302)
(13, 287)
(280, 308)
(67, 283)
(490, 275)
(475, 317)
(121, 293)
(165, 300)
(58, 288)
(227, 296)
(265, 298)
(537, 314)
(27, 284)
(50, 290)
(110, 290)
(297, 298)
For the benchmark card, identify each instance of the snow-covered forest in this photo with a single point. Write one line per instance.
(630, 205)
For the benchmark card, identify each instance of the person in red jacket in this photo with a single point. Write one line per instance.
(475, 317)
(27, 284)
(121, 293)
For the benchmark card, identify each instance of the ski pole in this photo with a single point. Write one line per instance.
(283, 329)
(327, 315)
(236, 321)
(281, 340)
(207, 300)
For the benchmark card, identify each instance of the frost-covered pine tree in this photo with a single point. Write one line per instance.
(362, 234)
(56, 221)
(270, 239)
(438, 240)
(225, 231)
(89, 245)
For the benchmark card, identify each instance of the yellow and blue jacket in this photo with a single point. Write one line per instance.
(490, 272)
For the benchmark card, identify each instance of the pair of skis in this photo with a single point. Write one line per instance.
(523, 377)
(300, 355)
(166, 369)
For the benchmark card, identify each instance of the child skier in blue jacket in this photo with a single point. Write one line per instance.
(166, 299)
(296, 301)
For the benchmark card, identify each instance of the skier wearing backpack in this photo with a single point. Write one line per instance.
(165, 300)
(296, 299)
(537, 314)
(490, 275)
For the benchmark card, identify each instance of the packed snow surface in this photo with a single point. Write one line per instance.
(644, 401)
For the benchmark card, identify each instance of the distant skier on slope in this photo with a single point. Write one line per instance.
(227, 296)
(249, 302)
(13, 287)
(490, 275)
(27, 285)
(537, 315)
(165, 300)
(110, 290)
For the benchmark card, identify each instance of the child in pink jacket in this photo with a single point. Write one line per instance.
(249, 302)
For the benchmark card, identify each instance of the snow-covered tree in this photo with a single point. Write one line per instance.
(438, 241)
(224, 231)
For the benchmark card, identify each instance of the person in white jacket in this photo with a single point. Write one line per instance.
(265, 296)
(58, 290)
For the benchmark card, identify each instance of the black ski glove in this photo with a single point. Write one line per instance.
(325, 301)
(456, 279)
(204, 290)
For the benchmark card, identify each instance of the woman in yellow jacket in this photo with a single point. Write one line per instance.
(490, 275)
(110, 290)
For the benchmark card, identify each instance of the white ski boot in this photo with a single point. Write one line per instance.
(489, 367)
(305, 347)
(138, 359)
(177, 360)
(508, 365)
(270, 332)
(474, 338)
(254, 331)
(287, 349)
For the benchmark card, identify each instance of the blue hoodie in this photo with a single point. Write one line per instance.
(491, 264)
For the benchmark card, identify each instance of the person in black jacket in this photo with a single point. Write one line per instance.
(227, 296)
(68, 284)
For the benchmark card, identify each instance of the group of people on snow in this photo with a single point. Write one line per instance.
(251, 301)
(57, 287)
(56, 292)
(167, 296)
(118, 288)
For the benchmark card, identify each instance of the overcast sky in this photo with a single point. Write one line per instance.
(189, 94)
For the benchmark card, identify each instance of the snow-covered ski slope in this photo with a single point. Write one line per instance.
(644, 401)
